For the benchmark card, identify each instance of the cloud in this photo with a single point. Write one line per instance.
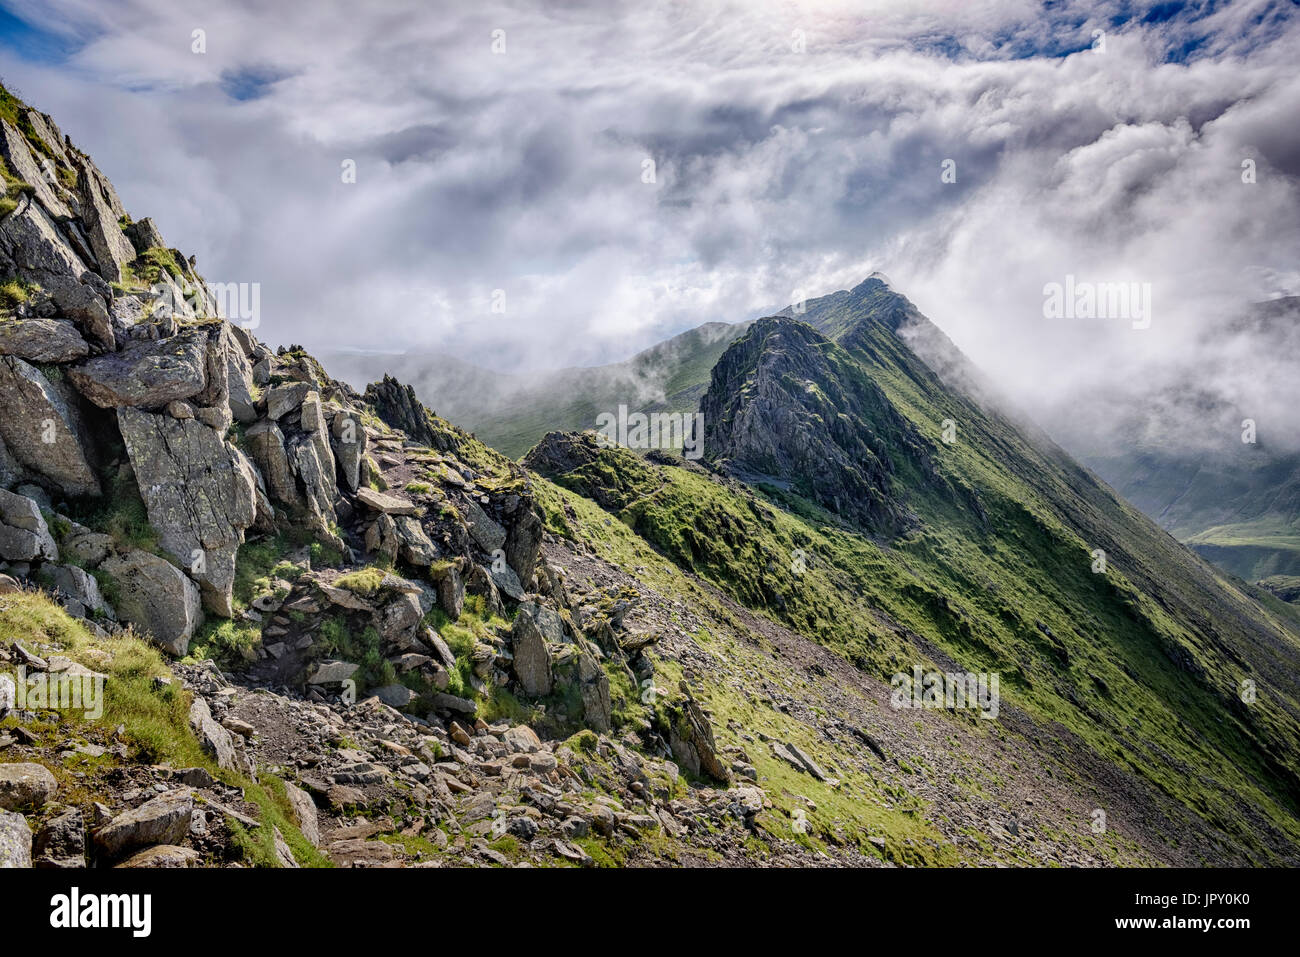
(1104, 157)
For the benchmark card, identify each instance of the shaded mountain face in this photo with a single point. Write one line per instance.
(785, 405)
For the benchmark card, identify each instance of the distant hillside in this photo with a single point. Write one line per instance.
(511, 413)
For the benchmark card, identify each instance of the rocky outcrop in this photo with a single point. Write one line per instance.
(43, 429)
(156, 597)
(200, 492)
(398, 406)
(147, 374)
(162, 820)
(24, 535)
(42, 340)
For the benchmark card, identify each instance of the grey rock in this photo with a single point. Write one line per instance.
(349, 440)
(395, 696)
(61, 841)
(79, 586)
(112, 249)
(283, 399)
(486, 532)
(15, 841)
(24, 535)
(200, 494)
(304, 812)
(14, 148)
(42, 340)
(26, 786)
(162, 820)
(215, 739)
(146, 373)
(267, 444)
(532, 660)
(332, 672)
(157, 598)
(42, 428)
(163, 856)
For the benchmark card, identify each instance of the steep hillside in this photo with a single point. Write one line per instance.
(1143, 662)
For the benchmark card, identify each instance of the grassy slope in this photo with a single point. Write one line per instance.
(1016, 595)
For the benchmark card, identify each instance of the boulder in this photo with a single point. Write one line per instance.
(532, 660)
(15, 841)
(283, 399)
(215, 739)
(24, 535)
(8, 695)
(61, 841)
(162, 820)
(200, 494)
(304, 812)
(26, 785)
(317, 477)
(505, 579)
(112, 249)
(157, 598)
(451, 589)
(42, 340)
(146, 373)
(348, 438)
(690, 737)
(267, 444)
(524, 544)
(395, 696)
(416, 546)
(399, 617)
(593, 684)
(32, 246)
(77, 586)
(42, 428)
(383, 502)
(486, 532)
(163, 855)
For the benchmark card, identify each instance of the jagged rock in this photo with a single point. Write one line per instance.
(450, 587)
(381, 537)
(42, 428)
(8, 692)
(523, 545)
(144, 235)
(61, 841)
(486, 531)
(317, 479)
(344, 598)
(15, 841)
(146, 373)
(112, 249)
(332, 672)
(13, 146)
(84, 303)
(383, 502)
(532, 660)
(32, 246)
(283, 399)
(87, 548)
(395, 696)
(163, 855)
(793, 756)
(162, 820)
(267, 444)
(157, 598)
(79, 587)
(42, 340)
(479, 582)
(400, 616)
(48, 133)
(504, 577)
(304, 812)
(24, 535)
(215, 739)
(200, 494)
(26, 786)
(283, 855)
(416, 546)
(690, 736)
(349, 440)
(548, 620)
(398, 406)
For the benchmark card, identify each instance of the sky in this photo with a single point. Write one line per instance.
(550, 184)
